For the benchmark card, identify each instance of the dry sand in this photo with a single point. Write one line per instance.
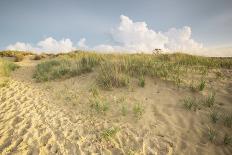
(57, 118)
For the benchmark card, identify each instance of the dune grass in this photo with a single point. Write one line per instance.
(117, 70)
(63, 68)
(210, 100)
(212, 134)
(18, 55)
(109, 133)
(190, 103)
(6, 67)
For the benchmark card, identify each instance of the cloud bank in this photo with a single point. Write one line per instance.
(128, 36)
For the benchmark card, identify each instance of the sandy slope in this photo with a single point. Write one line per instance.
(47, 119)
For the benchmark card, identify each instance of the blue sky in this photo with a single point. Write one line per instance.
(30, 21)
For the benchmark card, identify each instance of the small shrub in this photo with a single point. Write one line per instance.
(209, 101)
(138, 110)
(19, 57)
(38, 57)
(109, 133)
(227, 139)
(141, 81)
(212, 134)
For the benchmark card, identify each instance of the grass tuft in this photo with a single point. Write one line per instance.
(214, 116)
(138, 110)
(6, 67)
(190, 103)
(141, 81)
(227, 119)
(98, 105)
(124, 110)
(212, 133)
(111, 76)
(227, 140)
(210, 100)
(109, 133)
(201, 85)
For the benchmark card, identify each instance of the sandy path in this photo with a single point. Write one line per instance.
(31, 124)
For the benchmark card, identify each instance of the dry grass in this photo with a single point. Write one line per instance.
(18, 55)
(117, 70)
(6, 67)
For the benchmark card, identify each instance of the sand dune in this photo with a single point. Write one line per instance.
(45, 118)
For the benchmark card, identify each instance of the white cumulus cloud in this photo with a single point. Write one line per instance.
(128, 36)
(47, 45)
(136, 36)
(20, 46)
(82, 44)
(50, 44)
(180, 39)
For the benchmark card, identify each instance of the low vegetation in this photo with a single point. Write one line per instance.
(138, 110)
(212, 133)
(210, 100)
(227, 140)
(6, 67)
(214, 116)
(190, 103)
(63, 68)
(141, 81)
(227, 119)
(117, 70)
(17, 55)
(99, 105)
(109, 133)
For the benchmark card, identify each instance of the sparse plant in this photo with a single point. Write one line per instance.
(201, 85)
(138, 110)
(210, 100)
(98, 105)
(227, 140)
(94, 91)
(192, 87)
(227, 119)
(141, 81)
(212, 133)
(124, 110)
(214, 116)
(190, 103)
(109, 133)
